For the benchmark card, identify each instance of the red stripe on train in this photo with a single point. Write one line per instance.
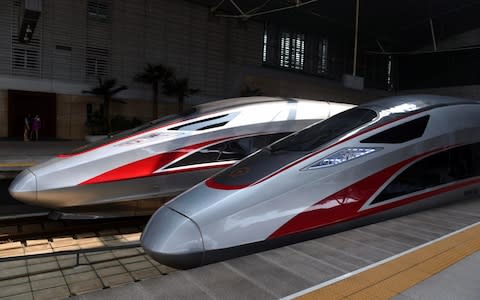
(146, 166)
(344, 205)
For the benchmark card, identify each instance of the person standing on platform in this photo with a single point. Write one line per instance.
(26, 127)
(36, 124)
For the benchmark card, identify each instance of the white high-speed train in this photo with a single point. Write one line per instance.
(372, 162)
(136, 171)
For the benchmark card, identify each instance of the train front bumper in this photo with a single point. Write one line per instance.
(24, 187)
(173, 239)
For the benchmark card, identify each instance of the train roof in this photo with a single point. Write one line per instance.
(234, 102)
(408, 103)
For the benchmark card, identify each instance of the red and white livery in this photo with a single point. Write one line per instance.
(136, 171)
(385, 158)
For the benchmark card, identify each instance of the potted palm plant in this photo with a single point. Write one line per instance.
(154, 75)
(179, 88)
(106, 89)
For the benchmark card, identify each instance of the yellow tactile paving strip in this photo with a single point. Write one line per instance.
(17, 165)
(395, 276)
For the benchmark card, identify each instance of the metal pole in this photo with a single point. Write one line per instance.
(356, 40)
(433, 36)
(380, 46)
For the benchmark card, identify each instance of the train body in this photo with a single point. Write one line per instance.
(375, 161)
(136, 171)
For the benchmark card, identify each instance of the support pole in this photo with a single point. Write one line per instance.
(380, 46)
(433, 36)
(356, 39)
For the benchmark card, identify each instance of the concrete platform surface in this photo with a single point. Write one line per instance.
(460, 281)
(284, 271)
(17, 155)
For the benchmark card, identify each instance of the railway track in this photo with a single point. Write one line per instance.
(72, 258)
(21, 230)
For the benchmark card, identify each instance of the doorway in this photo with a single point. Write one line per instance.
(23, 103)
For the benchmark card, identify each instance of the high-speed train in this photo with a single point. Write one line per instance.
(375, 161)
(136, 171)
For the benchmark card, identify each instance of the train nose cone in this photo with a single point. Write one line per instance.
(24, 187)
(173, 239)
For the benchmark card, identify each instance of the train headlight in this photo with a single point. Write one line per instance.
(341, 156)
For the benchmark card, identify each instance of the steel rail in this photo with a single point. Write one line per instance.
(70, 252)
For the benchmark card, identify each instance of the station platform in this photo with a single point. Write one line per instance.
(18, 155)
(432, 254)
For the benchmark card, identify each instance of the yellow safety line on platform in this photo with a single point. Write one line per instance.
(16, 165)
(397, 275)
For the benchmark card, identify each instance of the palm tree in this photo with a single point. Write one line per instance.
(154, 74)
(106, 89)
(178, 87)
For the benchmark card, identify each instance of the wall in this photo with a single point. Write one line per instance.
(71, 115)
(3, 113)
(277, 82)
(72, 112)
(467, 91)
(218, 55)
(470, 38)
(179, 34)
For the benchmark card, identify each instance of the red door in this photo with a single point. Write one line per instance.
(22, 103)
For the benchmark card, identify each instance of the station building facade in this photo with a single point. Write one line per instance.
(53, 50)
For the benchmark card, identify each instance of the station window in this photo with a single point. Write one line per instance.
(322, 67)
(442, 168)
(229, 150)
(296, 50)
(292, 50)
(25, 59)
(96, 62)
(97, 9)
(401, 133)
(26, 56)
(265, 43)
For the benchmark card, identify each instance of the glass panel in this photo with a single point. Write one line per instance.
(230, 150)
(438, 169)
(314, 136)
(400, 134)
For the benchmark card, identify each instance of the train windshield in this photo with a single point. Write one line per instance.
(315, 136)
(137, 130)
(270, 159)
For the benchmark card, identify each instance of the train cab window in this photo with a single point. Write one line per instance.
(209, 123)
(401, 133)
(441, 168)
(314, 136)
(229, 150)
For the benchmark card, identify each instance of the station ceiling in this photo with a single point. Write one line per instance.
(397, 25)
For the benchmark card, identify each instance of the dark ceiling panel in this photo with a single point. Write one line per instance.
(401, 25)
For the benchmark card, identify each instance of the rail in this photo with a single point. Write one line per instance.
(70, 252)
